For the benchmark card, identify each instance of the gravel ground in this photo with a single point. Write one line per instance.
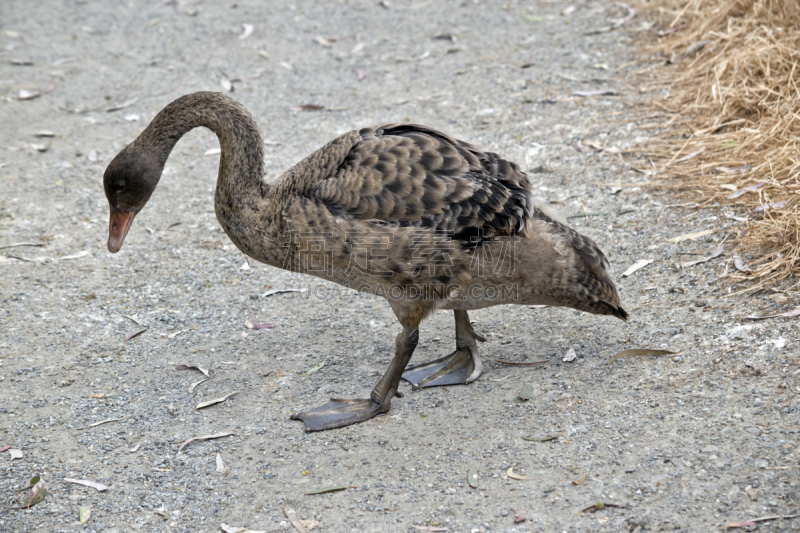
(688, 442)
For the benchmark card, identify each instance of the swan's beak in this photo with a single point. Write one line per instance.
(118, 226)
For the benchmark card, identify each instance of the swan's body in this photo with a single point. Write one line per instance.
(402, 211)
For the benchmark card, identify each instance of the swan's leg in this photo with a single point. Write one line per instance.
(339, 413)
(461, 367)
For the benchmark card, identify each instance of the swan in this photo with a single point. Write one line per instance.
(400, 210)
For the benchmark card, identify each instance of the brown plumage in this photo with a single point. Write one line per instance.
(399, 210)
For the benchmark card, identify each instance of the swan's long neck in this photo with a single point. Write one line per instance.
(240, 186)
(241, 161)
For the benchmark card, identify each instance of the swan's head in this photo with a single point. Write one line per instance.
(129, 181)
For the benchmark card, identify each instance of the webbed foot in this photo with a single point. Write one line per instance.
(458, 368)
(461, 367)
(339, 413)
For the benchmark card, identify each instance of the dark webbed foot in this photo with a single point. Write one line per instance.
(339, 413)
(461, 367)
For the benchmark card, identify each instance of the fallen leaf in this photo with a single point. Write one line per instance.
(540, 439)
(586, 214)
(92, 484)
(766, 207)
(740, 265)
(209, 403)
(445, 37)
(472, 476)
(569, 356)
(599, 506)
(247, 31)
(325, 489)
(512, 363)
(24, 94)
(195, 384)
(234, 529)
(38, 492)
(84, 514)
(716, 253)
(308, 107)
(581, 480)
(788, 314)
(599, 92)
(15, 454)
(322, 41)
(690, 156)
(205, 437)
(220, 466)
(193, 367)
(513, 475)
(691, 236)
(291, 514)
(273, 292)
(636, 266)
(17, 244)
(695, 47)
(253, 323)
(730, 170)
(584, 148)
(82, 253)
(746, 523)
(129, 336)
(640, 352)
(122, 105)
(749, 188)
(4, 448)
(103, 421)
(677, 28)
(526, 393)
(314, 368)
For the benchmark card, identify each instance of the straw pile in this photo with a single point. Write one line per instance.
(731, 68)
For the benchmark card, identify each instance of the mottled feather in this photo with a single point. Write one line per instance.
(410, 175)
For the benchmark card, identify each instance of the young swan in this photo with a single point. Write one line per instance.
(402, 211)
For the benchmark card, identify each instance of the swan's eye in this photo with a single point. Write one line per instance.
(120, 187)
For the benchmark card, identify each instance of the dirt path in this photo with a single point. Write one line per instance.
(689, 442)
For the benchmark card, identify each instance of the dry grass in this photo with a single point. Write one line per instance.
(731, 66)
